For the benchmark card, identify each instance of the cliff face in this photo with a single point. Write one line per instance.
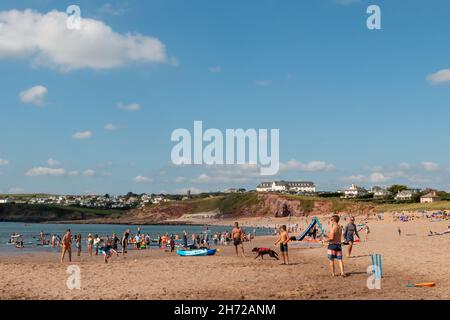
(251, 205)
(233, 205)
(46, 213)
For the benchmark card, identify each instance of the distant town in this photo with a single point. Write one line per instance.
(394, 193)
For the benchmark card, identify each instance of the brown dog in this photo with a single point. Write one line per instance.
(263, 251)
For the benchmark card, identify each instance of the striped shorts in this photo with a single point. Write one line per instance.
(334, 251)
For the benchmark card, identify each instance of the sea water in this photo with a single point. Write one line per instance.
(30, 232)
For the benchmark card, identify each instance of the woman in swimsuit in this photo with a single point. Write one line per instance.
(78, 244)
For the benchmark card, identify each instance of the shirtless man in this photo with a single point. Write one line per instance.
(66, 246)
(237, 236)
(334, 246)
(283, 240)
(124, 241)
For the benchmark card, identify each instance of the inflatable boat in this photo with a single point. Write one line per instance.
(197, 252)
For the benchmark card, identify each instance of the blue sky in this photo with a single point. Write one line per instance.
(352, 104)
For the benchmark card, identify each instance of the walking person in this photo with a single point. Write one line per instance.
(349, 235)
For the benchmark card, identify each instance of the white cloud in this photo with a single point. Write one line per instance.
(203, 178)
(82, 135)
(88, 173)
(378, 177)
(34, 95)
(4, 162)
(43, 171)
(113, 127)
(405, 166)
(53, 162)
(430, 166)
(47, 40)
(180, 179)
(216, 69)
(313, 166)
(108, 8)
(133, 107)
(72, 173)
(263, 83)
(439, 77)
(142, 179)
(16, 190)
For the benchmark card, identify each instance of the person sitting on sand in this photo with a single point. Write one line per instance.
(349, 235)
(283, 240)
(67, 246)
(237, 236)
(334, 247)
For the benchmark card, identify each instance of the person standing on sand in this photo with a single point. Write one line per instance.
(283, 240)
(67, 246)
(237, 236)
(349, 235)
(334, 247)
(78, 244)
(90, 243)
(185, 240)
(399, 231)
(367, 230)
(124, 241)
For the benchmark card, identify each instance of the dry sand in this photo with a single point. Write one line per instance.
(155, 274)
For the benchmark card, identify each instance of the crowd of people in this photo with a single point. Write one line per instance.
(113, 245)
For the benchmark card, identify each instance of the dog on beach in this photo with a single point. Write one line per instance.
(263, 251)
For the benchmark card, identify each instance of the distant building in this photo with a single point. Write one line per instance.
(5, 200)
(287, 187)
(379, 192)
(406, 195)
(430, 198)
(355, 191)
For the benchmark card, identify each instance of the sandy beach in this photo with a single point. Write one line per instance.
(155, 274)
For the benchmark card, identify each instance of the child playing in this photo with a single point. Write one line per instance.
(283, 240)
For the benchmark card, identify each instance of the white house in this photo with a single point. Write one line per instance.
(5, 200)
(379, 192)
(406, 195)
(355, 191)
(287, 186)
